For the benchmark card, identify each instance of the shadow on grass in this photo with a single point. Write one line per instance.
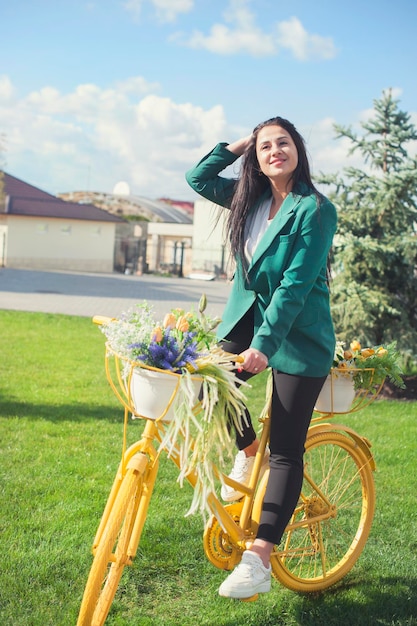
(57, 412)
(381, 602)
(385, 602)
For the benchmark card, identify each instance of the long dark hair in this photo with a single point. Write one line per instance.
(252, 183)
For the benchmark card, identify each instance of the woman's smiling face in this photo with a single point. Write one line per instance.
(276, 153)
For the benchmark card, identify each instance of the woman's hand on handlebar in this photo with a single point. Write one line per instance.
(254, 361)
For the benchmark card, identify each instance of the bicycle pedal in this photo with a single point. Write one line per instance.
(251, 599)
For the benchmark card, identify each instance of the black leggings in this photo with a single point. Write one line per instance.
(293, 400)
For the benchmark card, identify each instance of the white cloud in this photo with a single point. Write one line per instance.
(166, 10)
(239, 33)
(327, 154)
(91, 138)
(6, 88)
(223, 40)
(134, 7)
(137, 85)
(243, 35)
(304, 46)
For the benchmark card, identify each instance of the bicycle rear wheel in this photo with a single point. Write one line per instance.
(118, 543)
(332, 520)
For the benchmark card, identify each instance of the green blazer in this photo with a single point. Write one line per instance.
(286, 279)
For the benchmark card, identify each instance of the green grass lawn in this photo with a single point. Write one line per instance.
(60, 437)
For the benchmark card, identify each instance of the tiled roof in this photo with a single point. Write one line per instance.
(24, 199)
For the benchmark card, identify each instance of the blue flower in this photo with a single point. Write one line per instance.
(173, 352)
(174, 344)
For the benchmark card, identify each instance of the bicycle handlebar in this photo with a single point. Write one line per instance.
(102, 320)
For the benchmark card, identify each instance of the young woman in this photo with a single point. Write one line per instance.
(278, 314)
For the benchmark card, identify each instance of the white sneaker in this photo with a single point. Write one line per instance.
(241, 473)
(247, 579)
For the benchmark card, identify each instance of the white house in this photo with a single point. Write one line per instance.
(40, 231)
(44, 232)
(157, 237)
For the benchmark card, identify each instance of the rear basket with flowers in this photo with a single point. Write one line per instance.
(357, 377)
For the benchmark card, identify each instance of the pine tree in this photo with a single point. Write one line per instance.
(374, 290)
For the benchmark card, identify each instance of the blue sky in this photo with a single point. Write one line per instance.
(97, 92)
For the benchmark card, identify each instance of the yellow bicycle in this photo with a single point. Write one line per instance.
(323, 540)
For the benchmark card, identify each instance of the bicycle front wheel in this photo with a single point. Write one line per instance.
(331, 523)
(117, 545)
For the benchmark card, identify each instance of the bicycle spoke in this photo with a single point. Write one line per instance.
(331, 522)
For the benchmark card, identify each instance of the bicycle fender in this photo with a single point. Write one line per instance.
(138, 462)
(363, 444)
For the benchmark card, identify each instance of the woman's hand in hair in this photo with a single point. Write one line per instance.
(238, 147)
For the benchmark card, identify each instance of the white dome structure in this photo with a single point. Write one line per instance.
(121, 189)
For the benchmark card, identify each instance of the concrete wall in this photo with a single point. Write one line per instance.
(210, 251)
(49, 243)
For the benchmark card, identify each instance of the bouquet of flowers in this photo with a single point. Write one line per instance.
(184, 343)
(369, 366)
(175, 343)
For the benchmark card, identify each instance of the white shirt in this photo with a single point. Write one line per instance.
(255, 228)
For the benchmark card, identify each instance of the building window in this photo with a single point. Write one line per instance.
(41, 228)
(66, 229)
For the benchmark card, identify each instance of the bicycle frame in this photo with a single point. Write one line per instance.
(239, 534)
(154, 430)
(322, 541)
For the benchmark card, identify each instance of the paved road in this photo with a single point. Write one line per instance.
(104, 294)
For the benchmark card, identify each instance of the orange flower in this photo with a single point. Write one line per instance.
(157, 334)
(342, 366)
(182, 324)
(381, 351)
(347, 354)
(169, 320)
(355, 346)
(367, 352)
